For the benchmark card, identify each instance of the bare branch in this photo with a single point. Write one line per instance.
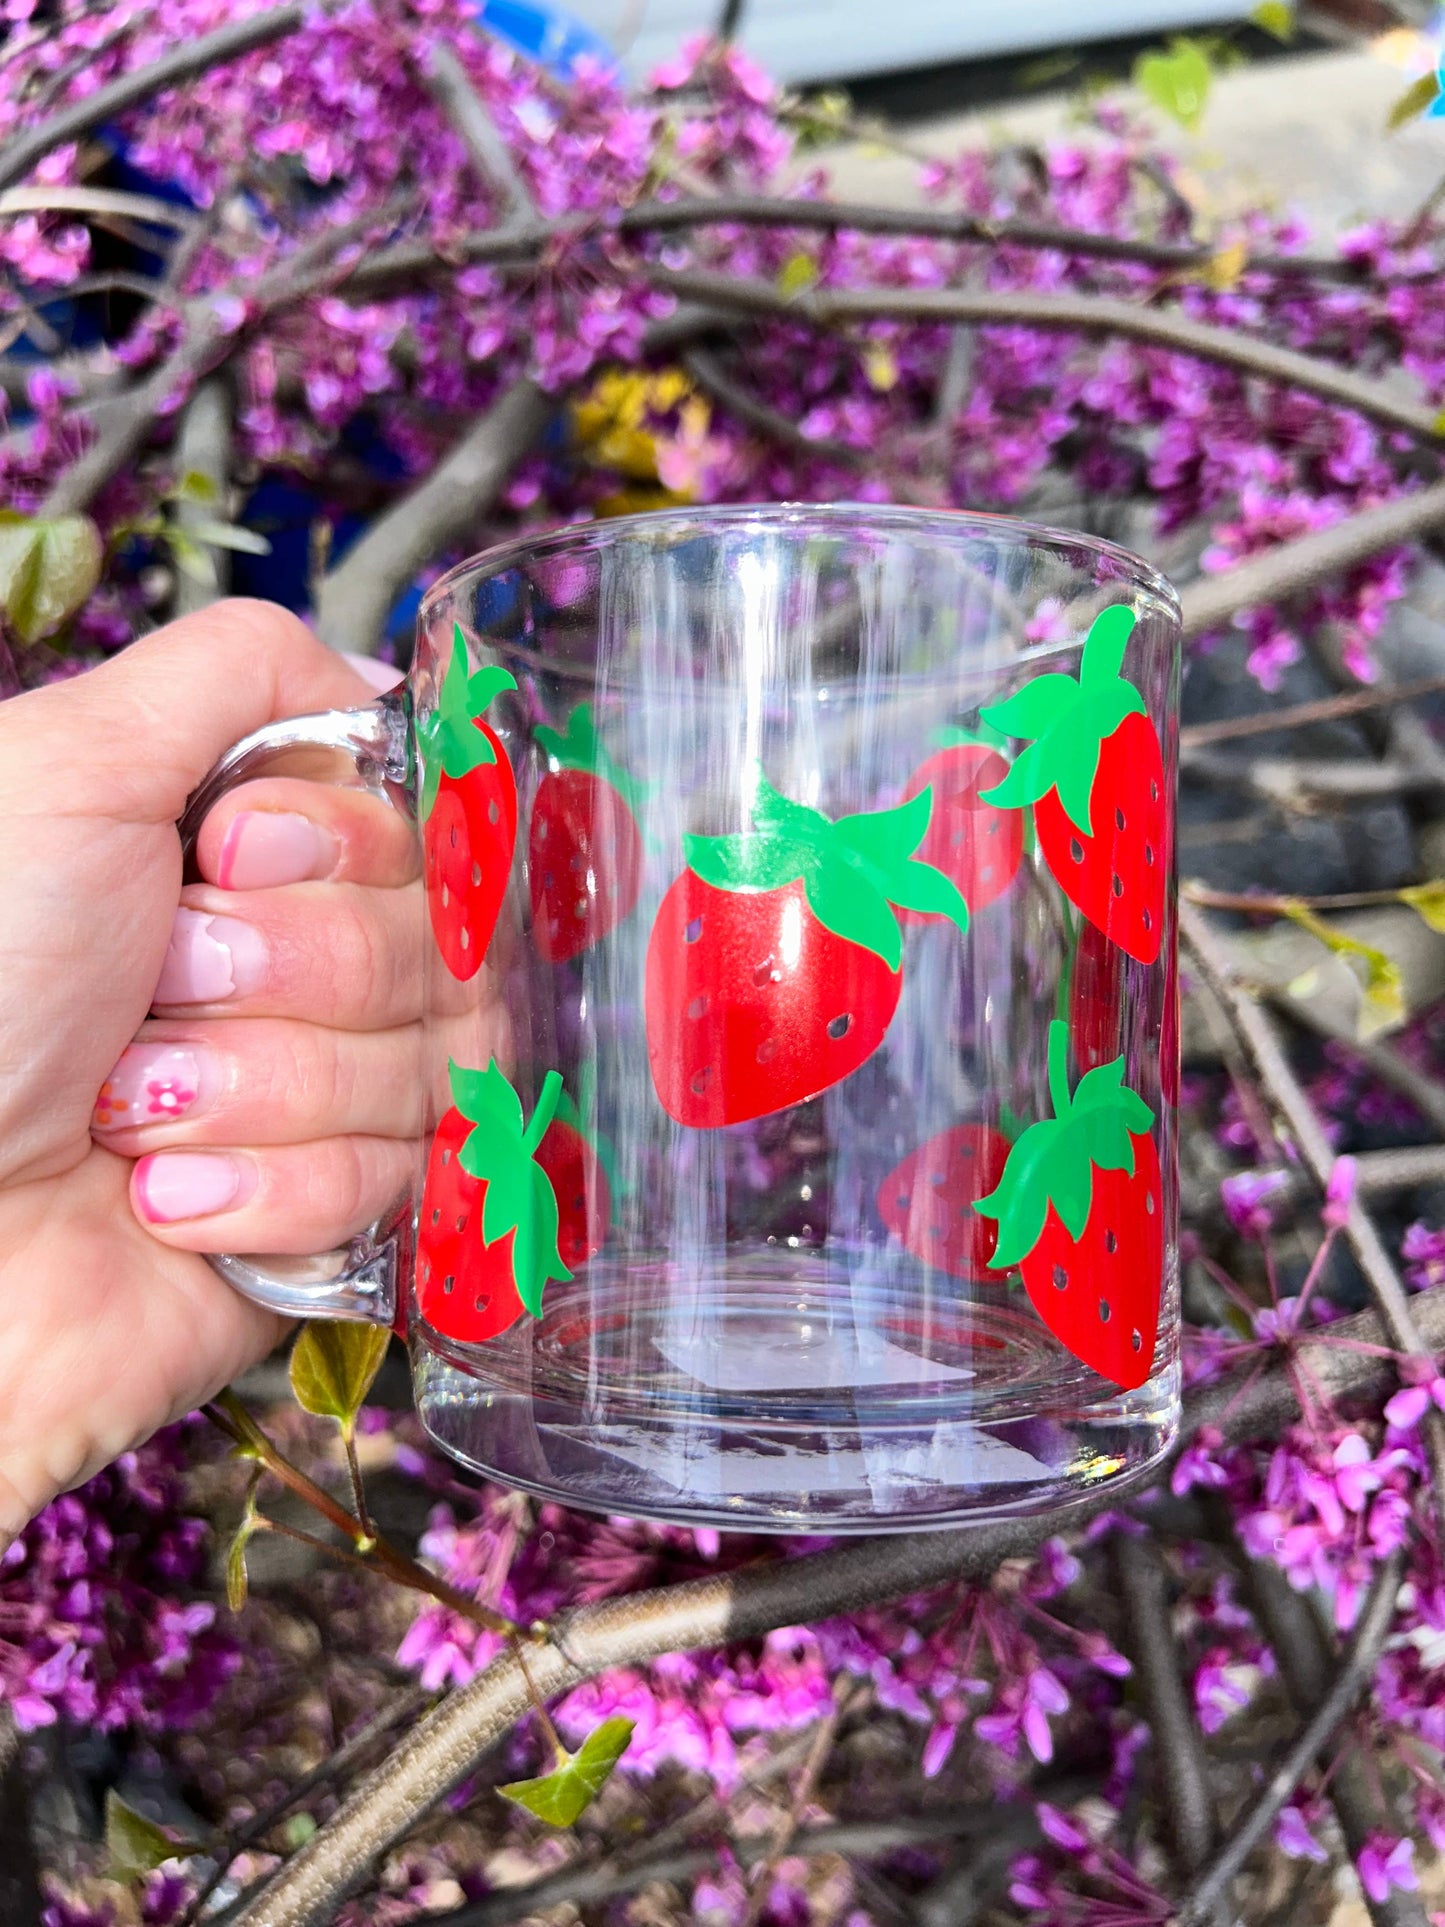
(128, 90)
(355, 597)
(444, 1748)
(1179, 1761)
(831, 308)
(710, 376)
(1306, 1665)
(1287, 1096)
(453, 90)
(1327, 709)
(1264, 1807)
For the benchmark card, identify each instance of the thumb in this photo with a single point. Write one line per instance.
(146, 726)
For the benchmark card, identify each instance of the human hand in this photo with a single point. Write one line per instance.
(272, 1097)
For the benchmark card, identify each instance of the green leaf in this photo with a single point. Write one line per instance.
(1382, 1000)
(921, 887)
(196, 486)
(1428, 899)
(519, 1199)
(333, 1366)
(1104, 646)
(448, 740)
(1276, 18)
(1034, 708)
(845, 902)
(564, 1795)
(748, 862)
(1418, 98)
(191, 559)
(579, 746)
(133, 1844)
(882, 836)
(48, 571)
(1178, 81)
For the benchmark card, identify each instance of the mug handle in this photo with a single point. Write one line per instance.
(364, 1281)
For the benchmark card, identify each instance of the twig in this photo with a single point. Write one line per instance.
(334, 1767)
(708, 373)
(1264, 1807)
(357, 594)
(203, 447)
(128, 90)
(1267, 903)
(1187, 1805)
(1307, 1666)
(21, 1902)
(790, 1821)
(833, 308)
(1304, 785)
(1288, 1098)
(1297, 715)
(451, 86)
(443, 1748)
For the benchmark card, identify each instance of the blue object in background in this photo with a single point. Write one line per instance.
(547, 35)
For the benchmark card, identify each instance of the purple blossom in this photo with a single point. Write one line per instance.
(1292, 1836)
(1385, 1863)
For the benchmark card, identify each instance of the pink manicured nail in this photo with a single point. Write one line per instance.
(381, 675)
(153, 1082)
(209, 959)
(266, 847)
(172, 1185)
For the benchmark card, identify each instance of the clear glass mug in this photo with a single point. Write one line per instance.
(801, 1021)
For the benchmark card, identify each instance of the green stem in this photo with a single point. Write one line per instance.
(1059, 1068)
(547, 1100)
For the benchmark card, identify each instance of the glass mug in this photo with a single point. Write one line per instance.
(800, 1023)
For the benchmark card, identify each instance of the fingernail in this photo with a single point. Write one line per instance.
(381, 675)
(209, 959)
(172, 1185)
(153, 1082)
(266, 847)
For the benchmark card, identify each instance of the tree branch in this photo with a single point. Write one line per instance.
(1327, 709)
(182, 63)
(1264, 1808)
(443, 1748)
(452, 88)
(710, 376)
(356, 595)
(831, 308)
(1187, 1805)
(203, 447)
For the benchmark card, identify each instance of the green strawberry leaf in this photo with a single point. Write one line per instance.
(500, 1153)
(852, 871)
(448, 740)
(562, 1796)
(1069, 720)
(578, 746)
(1053, 1163)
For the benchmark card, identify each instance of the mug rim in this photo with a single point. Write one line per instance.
(488, 562)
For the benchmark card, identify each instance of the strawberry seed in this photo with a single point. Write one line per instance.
(692, 931)
(1061, 1278)
(1103, 1311)
(840, 1026)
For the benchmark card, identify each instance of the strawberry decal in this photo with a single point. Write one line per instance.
(1080, 1211)
(1095, 776)
(974, 843)
(775, 963)
(929, 1200)
(487, 1242)
(584, 853)
(1096, 998)
(468, 812)
(576, 1165)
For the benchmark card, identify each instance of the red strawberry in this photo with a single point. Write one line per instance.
(577, 1176)
(928, 1200)
(1095, 775)
(584, 853)
(976, 845)
(1080, 1211)
(775, 963)
(488, 1234)
(468, 812)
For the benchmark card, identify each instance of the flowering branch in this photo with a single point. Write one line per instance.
(490, 155)
(627, 1631)
(1354, 1674)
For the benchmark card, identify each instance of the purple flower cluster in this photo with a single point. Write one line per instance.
(105, 1617)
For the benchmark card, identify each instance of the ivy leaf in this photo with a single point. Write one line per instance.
(1276, 18)
(1382, 999)
(1178, 81)
(333, 1365)
(562, 1796)
(133, 1844)
(48, 571)
(1418, 98)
